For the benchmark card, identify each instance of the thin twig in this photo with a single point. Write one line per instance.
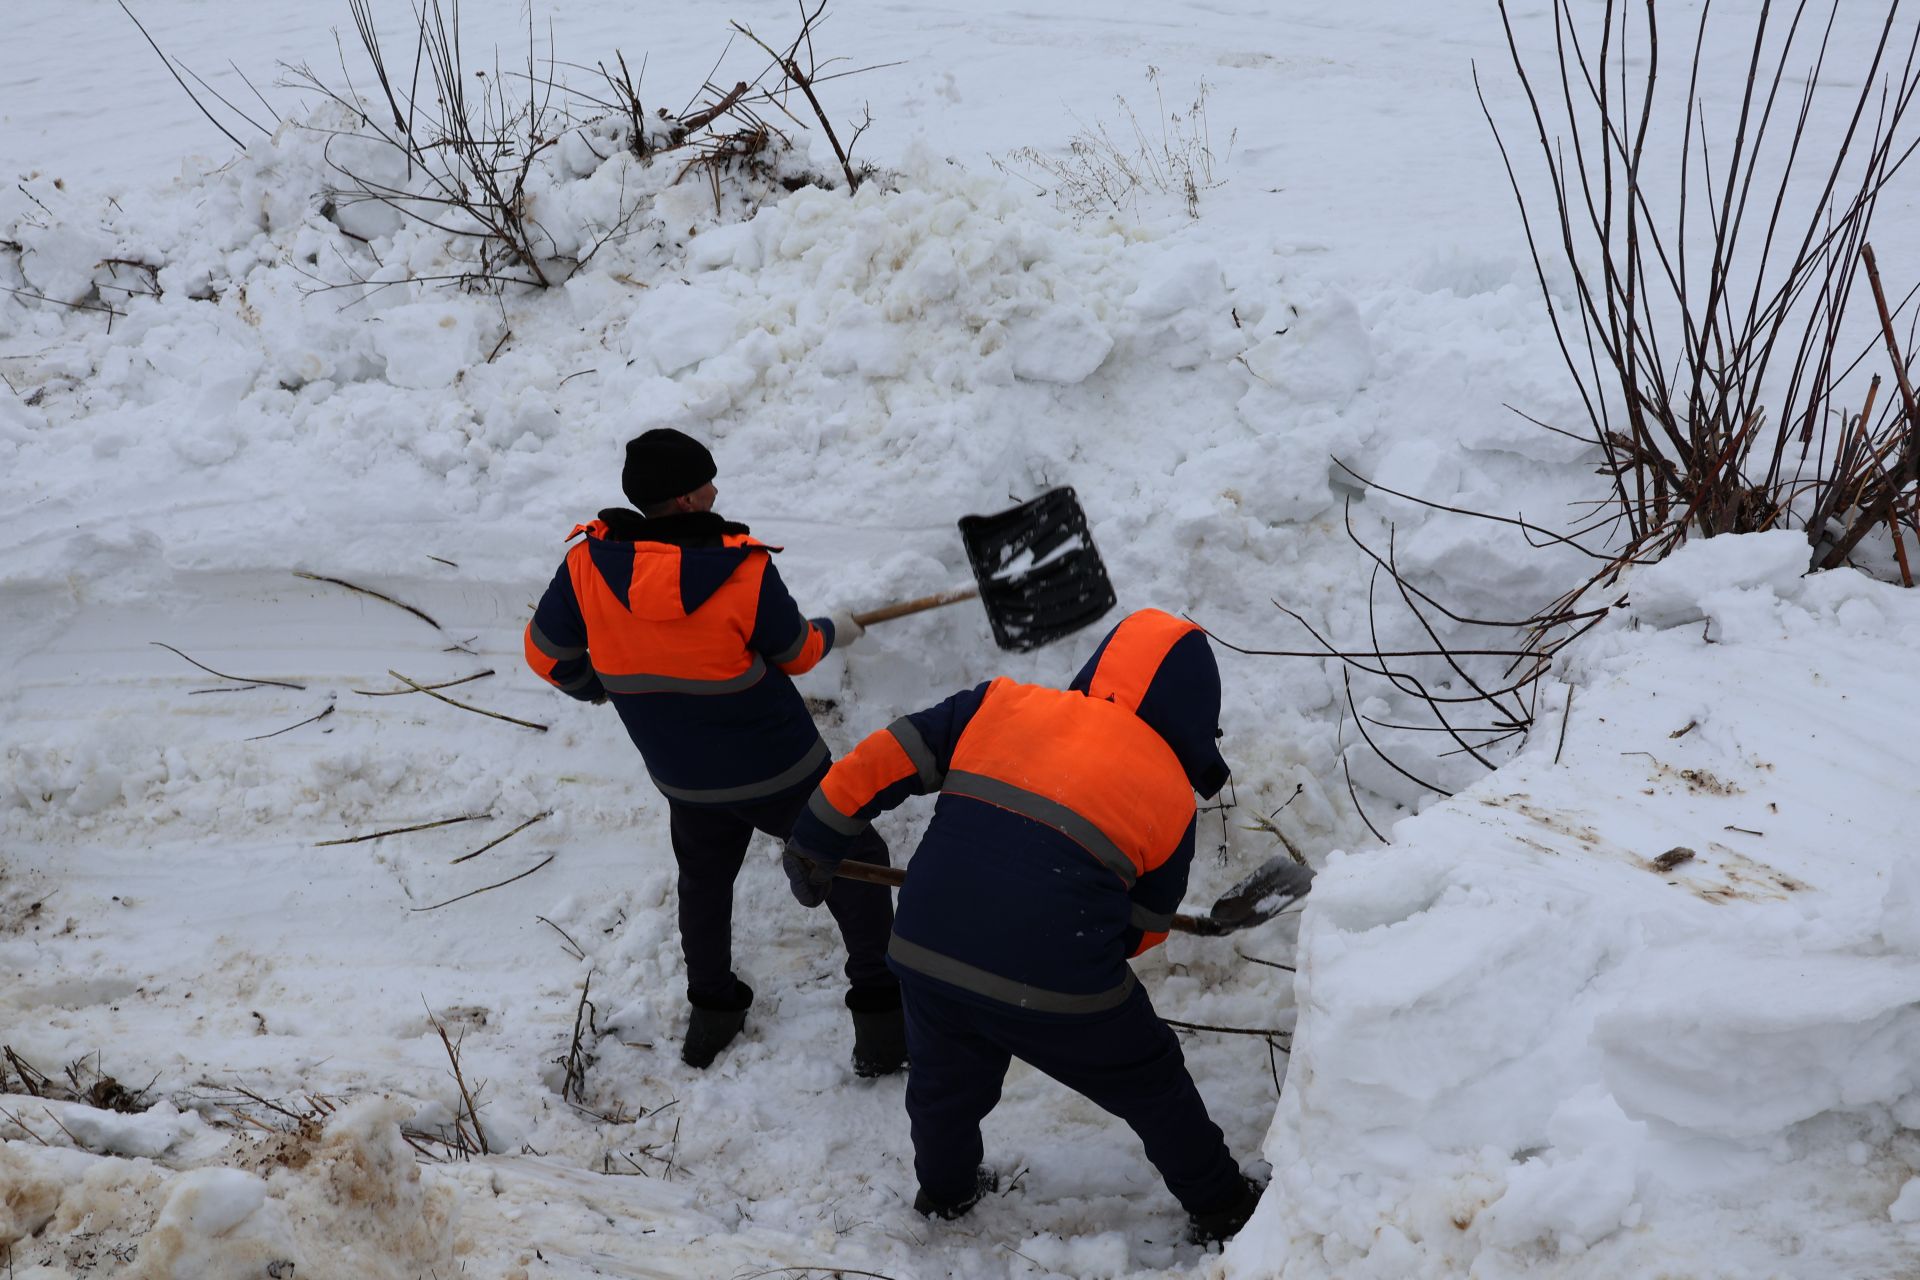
(367, 591)
(1228, 1031)
(246, 680)
(578, 954)
(183, 84)
(290, 728)
(503, 839)
(425, 826)
(443, 684)
(482, 711)
(509, 880)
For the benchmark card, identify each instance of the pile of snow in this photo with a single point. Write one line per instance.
(350, 1204)
(1646, 1001)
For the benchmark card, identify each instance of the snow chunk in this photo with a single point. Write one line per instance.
(1182, 282)
(427, 344)
(679, 325)
(1060, 344)
(1672, 592)
(1584, 1188)
(1325, 354)
(1906, 1208)
(212, 1202)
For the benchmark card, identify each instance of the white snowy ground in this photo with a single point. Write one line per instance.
(1624, 1065)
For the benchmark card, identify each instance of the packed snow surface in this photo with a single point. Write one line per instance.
(1643, 1001)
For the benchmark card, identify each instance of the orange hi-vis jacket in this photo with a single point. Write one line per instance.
(684, 625)
(1063, 835)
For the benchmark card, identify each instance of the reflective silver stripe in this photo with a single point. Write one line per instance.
(558, 652)
(580, 681)
(681, 684)
(792, 651)
(1051, 812)
(1006, 990)
(752, 790)
(834, 820)
(1150, 922)
(908, 735)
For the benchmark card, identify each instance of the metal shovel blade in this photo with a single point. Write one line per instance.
(1040, 577)
(1271, 889)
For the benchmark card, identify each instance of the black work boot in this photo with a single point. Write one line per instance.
(1214, 1226)
(714, 1023)
(984, 1180)
(879, 1031)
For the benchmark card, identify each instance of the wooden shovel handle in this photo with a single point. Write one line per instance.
(894, 877)
(924, 603)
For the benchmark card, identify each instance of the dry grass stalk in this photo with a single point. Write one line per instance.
(470, 1137)
(578, 1058)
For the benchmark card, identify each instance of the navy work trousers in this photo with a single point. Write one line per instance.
(1125, 1060)
(710, 845)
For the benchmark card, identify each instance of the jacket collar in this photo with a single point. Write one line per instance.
(687, 529)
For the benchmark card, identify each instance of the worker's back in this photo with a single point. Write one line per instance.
(1054, 806)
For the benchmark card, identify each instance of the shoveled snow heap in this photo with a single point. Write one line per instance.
(1648, 1002)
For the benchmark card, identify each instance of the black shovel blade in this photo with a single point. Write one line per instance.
(1261, 896)
(1039, 576)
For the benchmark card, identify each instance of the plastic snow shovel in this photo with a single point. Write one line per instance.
(1274, 887)
(1034, 569)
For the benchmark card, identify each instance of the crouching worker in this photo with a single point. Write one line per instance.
(679, 618)
(1059, 847)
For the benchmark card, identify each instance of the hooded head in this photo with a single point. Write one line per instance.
(1161, 668)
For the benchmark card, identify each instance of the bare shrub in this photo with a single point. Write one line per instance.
(1717, 332)
(465, 149)
(1714, 278)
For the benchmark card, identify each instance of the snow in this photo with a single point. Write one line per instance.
(1645, 999)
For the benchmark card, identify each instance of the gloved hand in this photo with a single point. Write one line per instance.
(845, 629)
(810, 880)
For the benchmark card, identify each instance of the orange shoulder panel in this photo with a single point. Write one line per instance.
(1134, 655)
(1094, 757)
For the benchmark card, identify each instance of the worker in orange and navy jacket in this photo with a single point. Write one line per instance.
(679, 618)
(1059, 848)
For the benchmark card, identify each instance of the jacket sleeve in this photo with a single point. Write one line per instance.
(556, 641)
(1156, 896)
(781, 634)
(909, 757)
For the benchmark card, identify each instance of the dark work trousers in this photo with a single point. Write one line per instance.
(710, 844)
(1125, 1060)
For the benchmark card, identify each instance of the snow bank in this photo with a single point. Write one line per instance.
(1656, 1001)
(350, 1204)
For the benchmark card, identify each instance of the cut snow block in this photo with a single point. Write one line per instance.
(680, 325)
(1061, 344)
